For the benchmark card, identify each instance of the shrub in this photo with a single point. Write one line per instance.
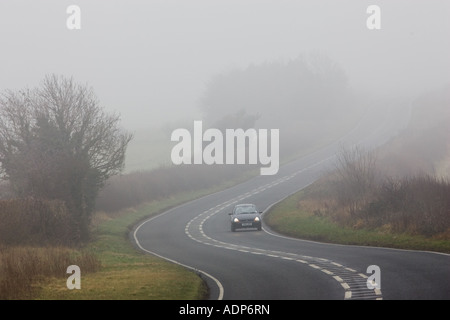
(419, 205)
(33, 221)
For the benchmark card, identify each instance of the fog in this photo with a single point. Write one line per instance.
(214, 93)
(152, 61)
(270, 64)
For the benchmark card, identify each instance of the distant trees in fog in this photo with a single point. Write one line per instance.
(302, 97)
(311, 87)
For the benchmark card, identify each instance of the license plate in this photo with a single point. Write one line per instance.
(246, 224)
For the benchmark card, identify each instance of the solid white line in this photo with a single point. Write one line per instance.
(219, 285)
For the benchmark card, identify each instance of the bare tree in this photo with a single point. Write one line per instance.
(356, 171)
(56, 142)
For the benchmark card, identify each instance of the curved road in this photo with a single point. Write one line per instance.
(264, 265)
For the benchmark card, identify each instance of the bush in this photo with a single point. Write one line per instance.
(33, 221)
(418, 205)
(356, 196)
(355, 178)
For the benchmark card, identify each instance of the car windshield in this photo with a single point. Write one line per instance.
(245, 209)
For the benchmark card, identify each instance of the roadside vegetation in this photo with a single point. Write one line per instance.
(397, 196)
(117, 269)
(58, 149)
(111, 267)
(127, 273)
(315, 213)
(33, 261)
(22, 267)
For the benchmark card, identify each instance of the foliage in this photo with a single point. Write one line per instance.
(57, 143)
(35, 222)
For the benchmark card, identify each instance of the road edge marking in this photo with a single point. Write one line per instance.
(216, 281)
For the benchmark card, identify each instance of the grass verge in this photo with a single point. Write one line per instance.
(290, 217)
(126, 273)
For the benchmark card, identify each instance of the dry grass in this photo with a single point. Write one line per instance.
(133, 189)
(417, 205)
(32, 221)
(22, 267)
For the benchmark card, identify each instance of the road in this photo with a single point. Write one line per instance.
(263, 265)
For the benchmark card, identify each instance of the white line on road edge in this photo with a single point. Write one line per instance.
(219, 285)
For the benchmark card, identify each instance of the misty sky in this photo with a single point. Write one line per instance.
(150, 60)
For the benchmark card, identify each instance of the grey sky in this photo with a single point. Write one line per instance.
(150, 60)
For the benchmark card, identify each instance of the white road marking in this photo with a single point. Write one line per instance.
(345, 285)
(217, 282)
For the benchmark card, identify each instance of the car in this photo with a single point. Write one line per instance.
(245, 216)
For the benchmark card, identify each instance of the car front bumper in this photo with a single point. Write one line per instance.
(246, 224)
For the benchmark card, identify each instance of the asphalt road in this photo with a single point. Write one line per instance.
(262, 265)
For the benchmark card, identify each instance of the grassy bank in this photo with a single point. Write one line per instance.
(125, 272)
(302, 215)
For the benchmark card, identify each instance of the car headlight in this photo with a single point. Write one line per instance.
(257, 219)
(235, 220)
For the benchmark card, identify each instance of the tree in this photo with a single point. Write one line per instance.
(56, 142)
(357, 172)
(310, 87)
(304, 97)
